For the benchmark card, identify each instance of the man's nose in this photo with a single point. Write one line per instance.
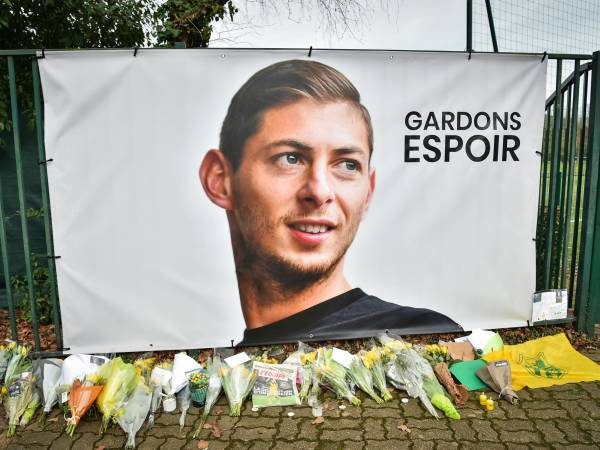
(317, 189)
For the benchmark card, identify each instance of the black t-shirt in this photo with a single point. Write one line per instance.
(351, 315)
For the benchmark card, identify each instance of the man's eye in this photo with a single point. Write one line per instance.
(288, 159)
(350, 165)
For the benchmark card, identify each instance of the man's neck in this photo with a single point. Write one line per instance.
(265, 302)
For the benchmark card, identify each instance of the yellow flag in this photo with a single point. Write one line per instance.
(546, 361)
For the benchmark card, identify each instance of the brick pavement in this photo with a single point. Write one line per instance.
(558, 417)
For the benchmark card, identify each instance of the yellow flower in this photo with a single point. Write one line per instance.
(11, 345)
(4, 390)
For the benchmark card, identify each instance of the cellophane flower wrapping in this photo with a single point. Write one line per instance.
(313, 396)
(50, 380)
(5, 355)
(81, 398)
(31, 408)
(134, 411)
(20, 394)
(363, 377)
(304, 358)
(184, 398)
(18, 364)
(373, 359)
(120, 380)
(159, 383)
(435, 391)
(143, 366)
(333, 375)
(405, 369)
(237, 384)
(214, 389)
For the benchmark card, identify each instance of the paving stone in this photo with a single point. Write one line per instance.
(296, 445)
(341, 423)
(484, 430)
(248, 422)
(289, 428)
(462, 430)
(382, 412)
(151, 443)
(350, 445)
(574, 409)
(574, 434)
(40, 438)
(373, 428)
(427, 424)
(423, 445)
(85, 441)
(591, 407)
(591, 388)
(392, 431)
(413, 409)
(386, 445)
(250, 434)
(520, 437)
(308, 430)
(546, 413)
(513, 425)
(341, 435)
(539, 394)
(442, 445)
(63, 442)
(110, 441)
(432, 434)
(589, 424)
(514, 411)
(550, 432)
(272, 411)
(172, 444)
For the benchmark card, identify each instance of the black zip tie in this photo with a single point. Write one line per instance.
(470, 51)
(52, 257)
(42, 56)
(538, 152)
(135, 51)
(46, 161)
(232, 343)
(544, 56)
(533, 239)
(310, 51)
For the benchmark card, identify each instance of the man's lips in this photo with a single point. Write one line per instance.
(311, 232)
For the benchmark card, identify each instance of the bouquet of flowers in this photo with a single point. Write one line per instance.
(31, 408)
(304, 358)
(81, 398)
(237, 383)
(120, 380)
(437, 395)
(159, 383)
(184, 398)
(50, 379)
(333, 375)
(435, 353)
(214, 389)
(373, 360)
(143, 366)
(5, 355)
(20, 395)
(18, 364)
(134, 411)
(403, 370)
(363, 377)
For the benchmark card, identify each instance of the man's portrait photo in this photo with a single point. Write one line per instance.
(293, 173)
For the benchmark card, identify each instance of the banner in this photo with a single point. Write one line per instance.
(208, 197)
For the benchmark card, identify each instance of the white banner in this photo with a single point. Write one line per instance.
(146, 250)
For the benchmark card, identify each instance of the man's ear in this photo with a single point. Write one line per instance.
(215, 176)
(371, 191)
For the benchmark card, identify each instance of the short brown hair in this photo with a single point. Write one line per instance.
(280, 84)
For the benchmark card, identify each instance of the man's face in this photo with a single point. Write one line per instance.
(303, 186)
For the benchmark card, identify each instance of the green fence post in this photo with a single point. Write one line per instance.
(6, 267)
(46, 202)
(572, 147)
(590, 268)
(21, 188)
(552, 200)
(575, 289)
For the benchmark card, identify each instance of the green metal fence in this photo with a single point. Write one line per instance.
(567, 241)
(568, 232)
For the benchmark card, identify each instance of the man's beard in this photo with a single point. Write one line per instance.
(272, 271)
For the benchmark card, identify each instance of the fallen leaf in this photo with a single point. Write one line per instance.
(202, 445)
(100, 447)
(216, 431)
(207, 426)
(404, 428)
(219, 410)
(318, 420)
